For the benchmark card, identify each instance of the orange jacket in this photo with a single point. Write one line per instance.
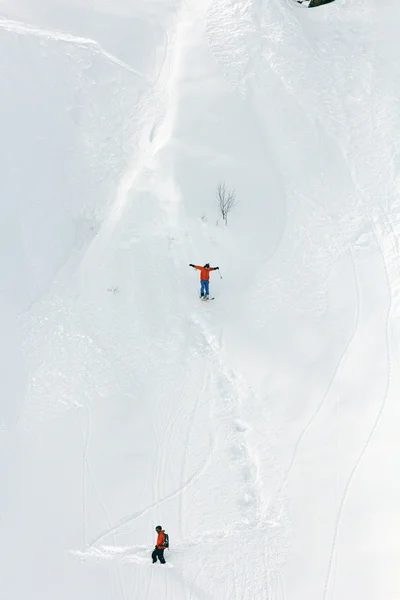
(204, 273)
(161, 540)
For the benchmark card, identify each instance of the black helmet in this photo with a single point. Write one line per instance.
(207, 266)
(158, 528)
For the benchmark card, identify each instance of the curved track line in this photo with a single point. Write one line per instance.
(85, 441)
(332, 381)
(86, 470)
(133, 517)
(369, 438)
(189, 433)
(68, 38)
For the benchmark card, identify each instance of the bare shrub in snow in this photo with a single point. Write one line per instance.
(226, 200)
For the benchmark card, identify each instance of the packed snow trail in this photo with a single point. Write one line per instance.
(260, 429)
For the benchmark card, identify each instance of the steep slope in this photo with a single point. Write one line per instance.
(258, 429)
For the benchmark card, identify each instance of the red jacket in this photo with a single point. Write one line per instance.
(161, 540)
(204, 273)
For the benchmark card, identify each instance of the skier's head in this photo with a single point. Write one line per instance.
(158, 528)
(207, 266)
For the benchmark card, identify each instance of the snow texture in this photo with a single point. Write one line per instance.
(261, 430)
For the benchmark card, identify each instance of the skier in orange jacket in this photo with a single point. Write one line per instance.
(161, 544)
(204, 279)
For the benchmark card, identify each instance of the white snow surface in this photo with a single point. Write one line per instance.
(260, 429)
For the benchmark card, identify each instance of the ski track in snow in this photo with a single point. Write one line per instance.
(59, 36)
(334, 377)
(369, 436)
(85, 441)
(126, 522)
(87, 473)
(189, 431)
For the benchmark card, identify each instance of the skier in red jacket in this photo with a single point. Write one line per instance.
(204, 279)
(158, 551)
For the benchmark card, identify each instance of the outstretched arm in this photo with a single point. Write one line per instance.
(214, 269)
(195, 267)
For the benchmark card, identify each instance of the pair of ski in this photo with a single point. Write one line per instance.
(206, 299)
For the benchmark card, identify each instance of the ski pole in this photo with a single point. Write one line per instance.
(220, 276)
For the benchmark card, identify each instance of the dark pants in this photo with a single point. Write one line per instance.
(204, 287)
(158, 554)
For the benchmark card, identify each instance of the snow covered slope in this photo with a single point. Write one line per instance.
(260, 429)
